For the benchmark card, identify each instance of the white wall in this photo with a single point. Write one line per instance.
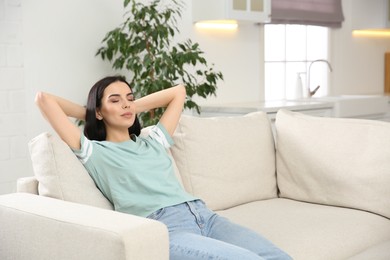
(50, 45)
(358, 63)
(60, 40)
(13, 108)
(239, 56)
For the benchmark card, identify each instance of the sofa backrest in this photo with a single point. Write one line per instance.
(334, 161)
(226, 161)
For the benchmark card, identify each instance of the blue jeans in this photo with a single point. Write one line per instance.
(195, 232)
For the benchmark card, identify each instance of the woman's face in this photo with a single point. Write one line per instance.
(117, 106)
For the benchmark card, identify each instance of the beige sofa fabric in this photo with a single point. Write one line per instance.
(27, 185)
(230, 163)
(220, 161)
(40, 228)
(60, 174)
(312, 231)
(333, 161)
(380, 251)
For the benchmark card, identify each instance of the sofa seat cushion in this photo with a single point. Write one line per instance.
(61, 175)
(334, 161)
(378, 252)
(226, 161)
(311, 231)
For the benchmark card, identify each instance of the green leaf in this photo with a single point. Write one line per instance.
(109, 54)
(126, 2)
(143, 45)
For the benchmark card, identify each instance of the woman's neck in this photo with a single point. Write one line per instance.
(118, 136)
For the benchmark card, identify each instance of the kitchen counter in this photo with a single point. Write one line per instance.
(267, 106)
(354, 106)
(308, 106)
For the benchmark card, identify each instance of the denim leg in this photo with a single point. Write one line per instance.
(189, 246)
(195, 232)
(222, 229)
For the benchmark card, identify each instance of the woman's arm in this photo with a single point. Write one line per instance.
(172, 98)
(56, 110)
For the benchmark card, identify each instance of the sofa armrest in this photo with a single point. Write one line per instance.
(27, 185)
(37, 227)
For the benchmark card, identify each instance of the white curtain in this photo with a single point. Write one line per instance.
(327, 13)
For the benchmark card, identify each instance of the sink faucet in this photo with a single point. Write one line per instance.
(310, 92)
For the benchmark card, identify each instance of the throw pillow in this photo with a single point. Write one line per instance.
(61, 175)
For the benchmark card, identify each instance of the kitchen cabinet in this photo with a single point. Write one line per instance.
(370, 15)
(242, 11)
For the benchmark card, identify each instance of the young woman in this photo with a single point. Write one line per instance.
(136, 174)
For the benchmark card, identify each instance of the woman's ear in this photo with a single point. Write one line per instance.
(99, 115)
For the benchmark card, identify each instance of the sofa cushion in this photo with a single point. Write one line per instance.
(60, 174)
(226, 161)
(334, 161)
(380, 251)
(312, 231)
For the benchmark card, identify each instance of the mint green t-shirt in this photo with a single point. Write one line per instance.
(137, 176)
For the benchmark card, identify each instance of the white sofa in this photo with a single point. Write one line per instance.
(319, 188)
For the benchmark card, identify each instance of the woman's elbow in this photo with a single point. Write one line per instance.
(181, 89)
(39, 98)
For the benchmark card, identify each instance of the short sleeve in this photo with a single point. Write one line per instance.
(161, 135)
(85, 151)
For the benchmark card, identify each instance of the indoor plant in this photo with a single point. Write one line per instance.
(142, 44)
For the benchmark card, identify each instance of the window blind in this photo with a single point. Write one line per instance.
(327, 13)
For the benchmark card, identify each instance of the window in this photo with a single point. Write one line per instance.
(289, 50)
